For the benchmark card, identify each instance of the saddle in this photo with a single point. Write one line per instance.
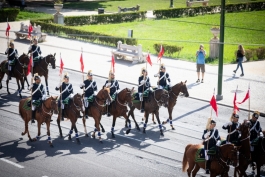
(27, 104)
(91, 98)
(66, 102)
(136, 97)
(200, 155)
(255, 142)
(37, 59)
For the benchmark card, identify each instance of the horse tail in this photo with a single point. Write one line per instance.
(20, 108)
(185, 160)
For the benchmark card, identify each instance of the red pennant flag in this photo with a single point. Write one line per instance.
(30, 29)
(29, 65)
(113, 63)
(235, 106)
(148, 59)
(161, 53)
(82, 63)
(214, 105)
(7, 29)
(246, 97)
(61, 67)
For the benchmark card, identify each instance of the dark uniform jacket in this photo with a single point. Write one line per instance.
(12, 53)
(90, 87)
(146, 85)
(234, 133)
(163, 77)
(37, 91)
(67, 89)
(114, 86)
(255, 129)
(214, 137)
(35, 51)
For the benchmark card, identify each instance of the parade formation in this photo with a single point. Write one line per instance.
(244, 144)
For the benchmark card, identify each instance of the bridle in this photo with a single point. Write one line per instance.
(78, 108)
(160, 102)
(223, 163)
(23, 65)
(44, 106)
(126, 103)
(46, 63)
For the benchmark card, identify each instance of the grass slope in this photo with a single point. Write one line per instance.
(192, 29)
(26, 14)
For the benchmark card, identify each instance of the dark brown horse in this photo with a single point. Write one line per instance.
(153, 102)
(173, 96)
(72, 112)
(259, 153)
(19, 72)
(244, 151)
(219, 164)
(41, 68)
(43, 115)
(96, 109)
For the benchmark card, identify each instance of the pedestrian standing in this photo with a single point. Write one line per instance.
(240, 55)
(200, 55)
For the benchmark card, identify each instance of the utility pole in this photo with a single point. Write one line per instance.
(219, 95)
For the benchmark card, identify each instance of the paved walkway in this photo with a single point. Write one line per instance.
(98, 58)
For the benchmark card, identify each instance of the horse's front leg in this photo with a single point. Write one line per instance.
(127, 120)
(146, 115)
(76, 134)
(38, 136)
(102, 128)
(170, 109)
(59, 122)
(48, 133)
(113, 125)
(84, 124)
(46, 82)
(18, 85)
(25, 80)
(159, 123)
(7, 81)
(153, 118)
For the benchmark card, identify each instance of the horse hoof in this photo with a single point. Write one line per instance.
(8, 93)
(93, 136)
(128, 131)
(138, 129)
(78, 141)
(142, 119)
(154, 122)
(144, 131)
(101, 142)
(173, 128)
(126, 126)
(34, 139)
(86, 135)
(164, 122)
(162, 134)
(113, 136)
(103, 130)
(69, 138)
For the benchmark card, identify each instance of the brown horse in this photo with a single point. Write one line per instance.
(244, 151)
(173, 96)
(259, 153)
(72, 112)
(96, 109)
(43, 114)
(19, 72)
(219, 164)
(154, 101)
(42, 68)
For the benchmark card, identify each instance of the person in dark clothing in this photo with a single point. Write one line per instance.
(90, 89)
(66, 90)
(163, 78)
(210, 138)
(240, 55)
(144, 84)
(231, 127)
(35, 51)
(38, 95)
(12, 56)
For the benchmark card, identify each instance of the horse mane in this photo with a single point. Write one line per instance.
(106, 88)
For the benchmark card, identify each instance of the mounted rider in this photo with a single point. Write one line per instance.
(114, 88)
(232, 129)
(36, 52)
(66, 92)
(90, 89)
(163, 78)
(12, 56)
(255, 133)
(144, 84)
(211, 139)
(38, 95)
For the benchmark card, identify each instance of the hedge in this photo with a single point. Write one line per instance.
(71, 32)
(10, 13)
(169, 49)
(194, 11)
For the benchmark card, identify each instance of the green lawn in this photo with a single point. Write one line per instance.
(174, 30)
(112, 5)
(25, 15)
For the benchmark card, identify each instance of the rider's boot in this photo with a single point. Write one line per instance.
(253, 160)
(9, 75)
(86, 113)
(142, 108)
(33, 116)
(208, 163)
(108, 114)
(62, 115)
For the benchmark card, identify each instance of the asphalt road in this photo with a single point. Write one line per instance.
(127, 155)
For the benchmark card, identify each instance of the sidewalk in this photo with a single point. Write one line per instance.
(98, 58)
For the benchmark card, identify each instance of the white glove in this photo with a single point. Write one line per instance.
(151, 89)
(44, 97)
(142, 82)
(30, 87)
(71, 95)
(81, 85)
(29, 47)
(59, 85)
(108, 85)
(218, 143)
(156, 75)
(206, 135)
(229, 123)
(95, 93)
(117, 91)
(169, 84)
(261, 135)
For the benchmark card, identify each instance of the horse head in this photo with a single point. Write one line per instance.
(244, 130)
(125, 95)
(78, 102)
(162, 96)
(24, 59)
(184, 89)
(104, 94)
(230, 154)
(51, 60)
(53, 104)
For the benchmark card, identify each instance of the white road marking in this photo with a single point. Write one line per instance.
(12, 163)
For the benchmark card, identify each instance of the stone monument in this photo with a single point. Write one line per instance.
(58, 17)
(214, 43)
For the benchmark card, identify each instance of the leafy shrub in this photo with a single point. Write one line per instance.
(10, 13)
(249, 53)
(260, 52)
(169, 49)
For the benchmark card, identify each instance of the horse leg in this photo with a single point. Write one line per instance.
(98, 129)
(25, 79)
(84, 123)
(136, 124)
(113, 125)
(159, 123)
(48, 133)
(58, 123)
(191, 166)
(129, 121)
(146, 115)
(76, 134)
(7, 81)
(38, 136)
(195, 170)
(102, 128)
(258, 168)
(18, 85)
(22, 87)
(70, 132)
(1, 77)
(153, 118)
(170, 118)
(46, 82)
(26, 127)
